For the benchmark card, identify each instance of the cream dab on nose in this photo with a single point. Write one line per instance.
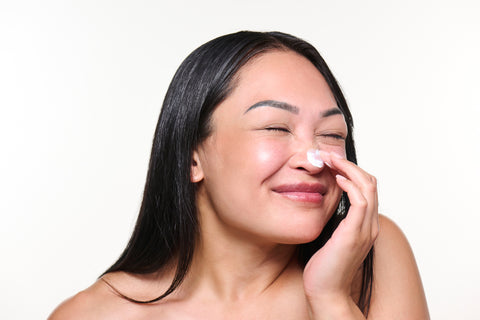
(313, 156)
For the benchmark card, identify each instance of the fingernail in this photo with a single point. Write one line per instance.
(340, 177)
(313, 156)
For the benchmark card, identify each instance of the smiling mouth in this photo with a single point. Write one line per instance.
(302, 192)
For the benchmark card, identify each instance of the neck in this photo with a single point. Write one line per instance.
(233, 266)
(232, 272)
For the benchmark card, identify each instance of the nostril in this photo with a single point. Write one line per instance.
(313, 156)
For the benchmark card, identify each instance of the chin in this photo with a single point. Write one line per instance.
(302, 234)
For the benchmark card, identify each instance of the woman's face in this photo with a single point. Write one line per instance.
(254, 179)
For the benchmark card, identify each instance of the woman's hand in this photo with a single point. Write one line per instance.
(329, 274)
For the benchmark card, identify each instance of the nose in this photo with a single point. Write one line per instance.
(307, 159)
(313, 156)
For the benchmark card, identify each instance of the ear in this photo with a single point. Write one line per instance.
(196, 171)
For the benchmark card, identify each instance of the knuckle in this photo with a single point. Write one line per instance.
(362, 203)
(372, 185)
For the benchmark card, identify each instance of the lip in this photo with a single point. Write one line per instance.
(303, 192)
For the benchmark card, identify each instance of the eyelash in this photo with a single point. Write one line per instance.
(280, 129)
(333, 136)
(330, 135)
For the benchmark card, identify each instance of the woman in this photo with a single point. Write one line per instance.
(253, 206)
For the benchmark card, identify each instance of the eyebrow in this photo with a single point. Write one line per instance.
(274, 104)
(292, 108)
(331, 112)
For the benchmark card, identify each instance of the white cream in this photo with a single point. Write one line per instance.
(313, 156)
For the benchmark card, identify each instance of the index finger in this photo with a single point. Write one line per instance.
(347, 168)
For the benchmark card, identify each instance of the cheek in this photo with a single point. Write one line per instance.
(248, 157)
(267, 154)
(268, 157)
(335, 149)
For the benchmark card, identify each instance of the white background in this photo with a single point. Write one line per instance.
(82, 82)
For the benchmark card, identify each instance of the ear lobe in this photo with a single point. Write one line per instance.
(196, 172)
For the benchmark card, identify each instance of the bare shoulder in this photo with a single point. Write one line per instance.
(103, 300)
(95, 302)
(76, 307)
(398, 291)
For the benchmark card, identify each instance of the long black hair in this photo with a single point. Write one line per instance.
(167, 227)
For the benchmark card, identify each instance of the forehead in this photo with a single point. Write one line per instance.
(284, 76)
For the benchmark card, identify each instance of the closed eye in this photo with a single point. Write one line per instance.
(332, 139)
(279, 129)
(333, 136)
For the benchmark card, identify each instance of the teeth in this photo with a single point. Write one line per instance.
(313, 156)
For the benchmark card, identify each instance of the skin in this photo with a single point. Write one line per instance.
(255, 204)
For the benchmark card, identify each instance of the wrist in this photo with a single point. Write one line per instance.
(333, 307)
